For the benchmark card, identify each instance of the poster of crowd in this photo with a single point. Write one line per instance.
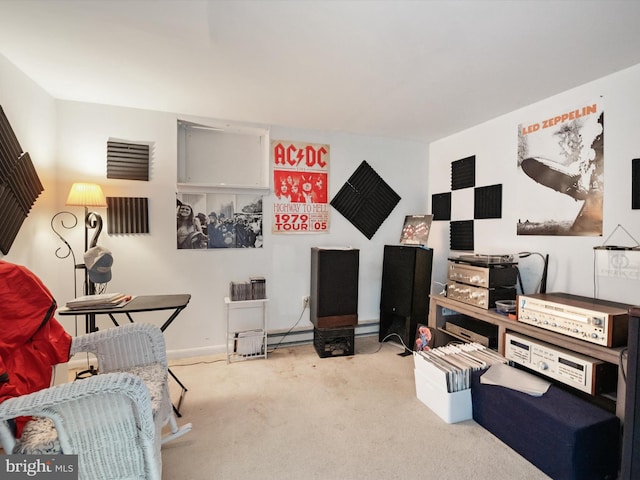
(207, 221)
(561, 173)
(300, 184)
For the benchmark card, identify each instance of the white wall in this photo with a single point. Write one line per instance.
(32, 115)
(151, 264)
(495, 145)
(67, 141)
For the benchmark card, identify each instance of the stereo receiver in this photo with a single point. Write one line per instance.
(584, 373)
(487, 276)
(597, 321)
(478, 296)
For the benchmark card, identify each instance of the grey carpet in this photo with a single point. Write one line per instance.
(298, 416)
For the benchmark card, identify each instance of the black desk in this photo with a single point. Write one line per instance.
(142, 303)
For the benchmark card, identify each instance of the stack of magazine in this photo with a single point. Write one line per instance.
(103, 300)
(457, 362)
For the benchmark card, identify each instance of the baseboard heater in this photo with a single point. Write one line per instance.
(304, 335)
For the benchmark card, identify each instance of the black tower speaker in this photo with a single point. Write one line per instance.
(406, 285)
(334, 287)
(630, 468)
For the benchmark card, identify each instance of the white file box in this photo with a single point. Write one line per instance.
(431, 389)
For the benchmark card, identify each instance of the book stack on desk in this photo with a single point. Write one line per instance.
(104, 300)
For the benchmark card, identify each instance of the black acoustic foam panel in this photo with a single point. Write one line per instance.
(461, 235)
(487, 202)
(365, 200)
(441, 206)
(463, 173)
(127, 215)
(19, 184)
(128, 161)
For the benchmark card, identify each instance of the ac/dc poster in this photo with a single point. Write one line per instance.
(561, 172)
(300, 184)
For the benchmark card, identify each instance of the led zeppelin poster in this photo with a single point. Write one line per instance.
(300, 184)
(561, 172)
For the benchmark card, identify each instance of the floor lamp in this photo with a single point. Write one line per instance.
(83, 195)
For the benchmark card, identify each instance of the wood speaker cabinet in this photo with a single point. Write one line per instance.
(406, 285)
(334, 287)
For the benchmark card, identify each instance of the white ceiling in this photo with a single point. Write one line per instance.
(417, 70)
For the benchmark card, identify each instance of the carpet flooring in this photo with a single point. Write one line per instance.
(298, 416)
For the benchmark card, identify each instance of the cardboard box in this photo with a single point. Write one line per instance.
(431, 389)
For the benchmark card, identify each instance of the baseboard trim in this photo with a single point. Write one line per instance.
(299, 336)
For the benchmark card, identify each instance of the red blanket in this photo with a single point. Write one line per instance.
(31, 339)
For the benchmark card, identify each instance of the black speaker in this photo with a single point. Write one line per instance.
(406, 285)
(334, 287)
(630, 468)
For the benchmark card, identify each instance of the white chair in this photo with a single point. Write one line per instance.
(113, 421)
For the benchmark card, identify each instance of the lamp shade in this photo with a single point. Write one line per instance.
(86, 195)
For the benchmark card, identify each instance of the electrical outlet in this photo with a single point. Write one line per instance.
(305, 301)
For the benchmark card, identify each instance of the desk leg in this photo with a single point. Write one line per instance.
(184, 390)
(90, 323)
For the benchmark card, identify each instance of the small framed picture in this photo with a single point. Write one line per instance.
(416, 229)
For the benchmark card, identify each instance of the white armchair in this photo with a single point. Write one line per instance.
(113, 421)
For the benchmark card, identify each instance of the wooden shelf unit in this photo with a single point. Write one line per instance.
(438, 318)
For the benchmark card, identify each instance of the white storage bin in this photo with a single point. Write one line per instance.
(431, 389)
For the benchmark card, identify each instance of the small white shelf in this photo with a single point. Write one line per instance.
(246, 343)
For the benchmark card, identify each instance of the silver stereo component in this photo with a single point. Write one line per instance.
(487, 276)
(479, 296)
(597, 321)
(584, 373)
(472, 330)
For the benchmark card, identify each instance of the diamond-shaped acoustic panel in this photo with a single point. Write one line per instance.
(366, 200)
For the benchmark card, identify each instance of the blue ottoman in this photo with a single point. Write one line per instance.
(561, 434)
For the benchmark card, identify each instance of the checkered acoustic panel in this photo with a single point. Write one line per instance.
(487, 203)
(366, 200)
